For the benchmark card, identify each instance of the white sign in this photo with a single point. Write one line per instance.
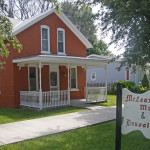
(136, 112)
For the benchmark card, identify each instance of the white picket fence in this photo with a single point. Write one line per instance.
(49, 98)
(96, 94)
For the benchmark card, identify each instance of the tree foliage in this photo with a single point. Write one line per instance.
(129, 22)
(24, 9)
(84, 19)
(99, 48)
(6, 36)
(145, 82)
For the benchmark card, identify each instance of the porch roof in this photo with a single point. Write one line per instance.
(61, 60)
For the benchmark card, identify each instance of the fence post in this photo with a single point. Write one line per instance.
(118, 116)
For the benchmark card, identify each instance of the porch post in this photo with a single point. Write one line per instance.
(106, 80)
(86, 90)
(40, 90)
(68, 85)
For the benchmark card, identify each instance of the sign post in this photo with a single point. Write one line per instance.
(118, 116)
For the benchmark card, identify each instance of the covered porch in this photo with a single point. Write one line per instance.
(66, 78)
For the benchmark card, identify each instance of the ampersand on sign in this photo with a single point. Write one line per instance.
(142, 116)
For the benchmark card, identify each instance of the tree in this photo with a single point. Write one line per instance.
(145, 82)
(129, 22)
(83, 18)
(6, 36)
(24, 9)
(99, 48)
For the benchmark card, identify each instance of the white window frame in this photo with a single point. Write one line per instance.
(92, 76)
(126, 74)
(58, 83)
(36, 69)
(64, 51)
(46, 27)
(74, 89)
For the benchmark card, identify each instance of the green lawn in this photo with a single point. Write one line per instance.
(99, 137)
(111, 101)
(8, 115)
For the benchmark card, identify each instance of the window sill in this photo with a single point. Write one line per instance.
(93, 80)
(44, 52)
(62, 54)
(74, 90)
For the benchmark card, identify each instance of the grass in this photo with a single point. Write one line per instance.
(111, 101)
(8, 115)
(98, 137)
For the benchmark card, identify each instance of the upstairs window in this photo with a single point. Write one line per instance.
(127, 74)
(93, 76)
(45, 39)
(61, 41)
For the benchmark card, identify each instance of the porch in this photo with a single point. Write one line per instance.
(49, 99)
(75, 82)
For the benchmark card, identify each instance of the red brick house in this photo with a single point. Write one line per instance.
(51, 69)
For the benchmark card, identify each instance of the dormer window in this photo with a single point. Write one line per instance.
(61, 41)
(45, 39)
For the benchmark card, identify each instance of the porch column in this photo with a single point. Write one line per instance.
(40, 90)
(106, 80)
(68, 85)
(86, 90)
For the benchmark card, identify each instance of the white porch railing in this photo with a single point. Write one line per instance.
(96, 94)
(49, 99)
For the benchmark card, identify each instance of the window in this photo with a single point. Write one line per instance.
(93, 76)
(33, 79)
(73, 78)
(127, 74)
(45, 40)
(61, 41)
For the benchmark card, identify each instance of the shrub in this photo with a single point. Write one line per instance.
(130, 86)
(145, 82)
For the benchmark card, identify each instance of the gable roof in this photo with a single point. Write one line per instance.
(19, 26)
(100, 57)
(110, 58)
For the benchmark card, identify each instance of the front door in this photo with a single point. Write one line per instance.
(54, 79)
(54, 84)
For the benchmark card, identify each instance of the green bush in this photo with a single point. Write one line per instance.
(130, 86)
(145, 82)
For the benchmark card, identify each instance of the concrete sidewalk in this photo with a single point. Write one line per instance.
(24, 130)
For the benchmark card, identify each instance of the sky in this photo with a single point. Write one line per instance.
(113, 48)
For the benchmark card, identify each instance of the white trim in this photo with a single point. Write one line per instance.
(64, 51)
(61, 60)
(29, 22)
(126, 74)
(75, 89)
(48, 30)
(92, 76)
(76, 79)
(36, 70)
